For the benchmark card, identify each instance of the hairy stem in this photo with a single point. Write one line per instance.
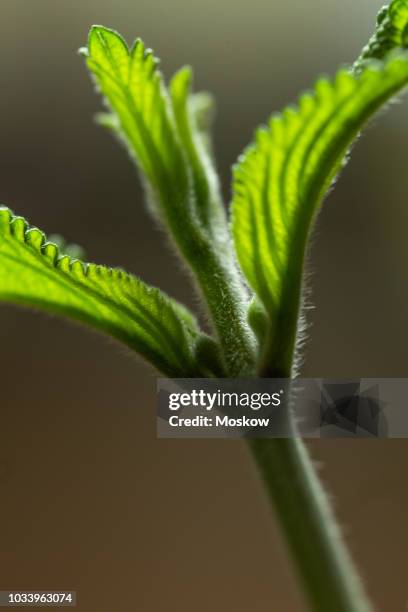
(227, 302)
(303, 509)
(327, 572)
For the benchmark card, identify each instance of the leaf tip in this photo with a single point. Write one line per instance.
(100, 38)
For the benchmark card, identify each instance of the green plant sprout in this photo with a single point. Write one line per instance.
(248, 264)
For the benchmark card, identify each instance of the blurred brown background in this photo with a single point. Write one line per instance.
(90, 500)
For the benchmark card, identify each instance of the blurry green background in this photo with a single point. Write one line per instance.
(90, 500)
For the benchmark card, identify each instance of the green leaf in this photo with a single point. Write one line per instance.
(281, 179)
(164, 135)
(391, 33)
(143, 118)
(202, 109)
(34, 273)
(191, 114)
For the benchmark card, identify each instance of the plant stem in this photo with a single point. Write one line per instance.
(325, 567)
(227, 302)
